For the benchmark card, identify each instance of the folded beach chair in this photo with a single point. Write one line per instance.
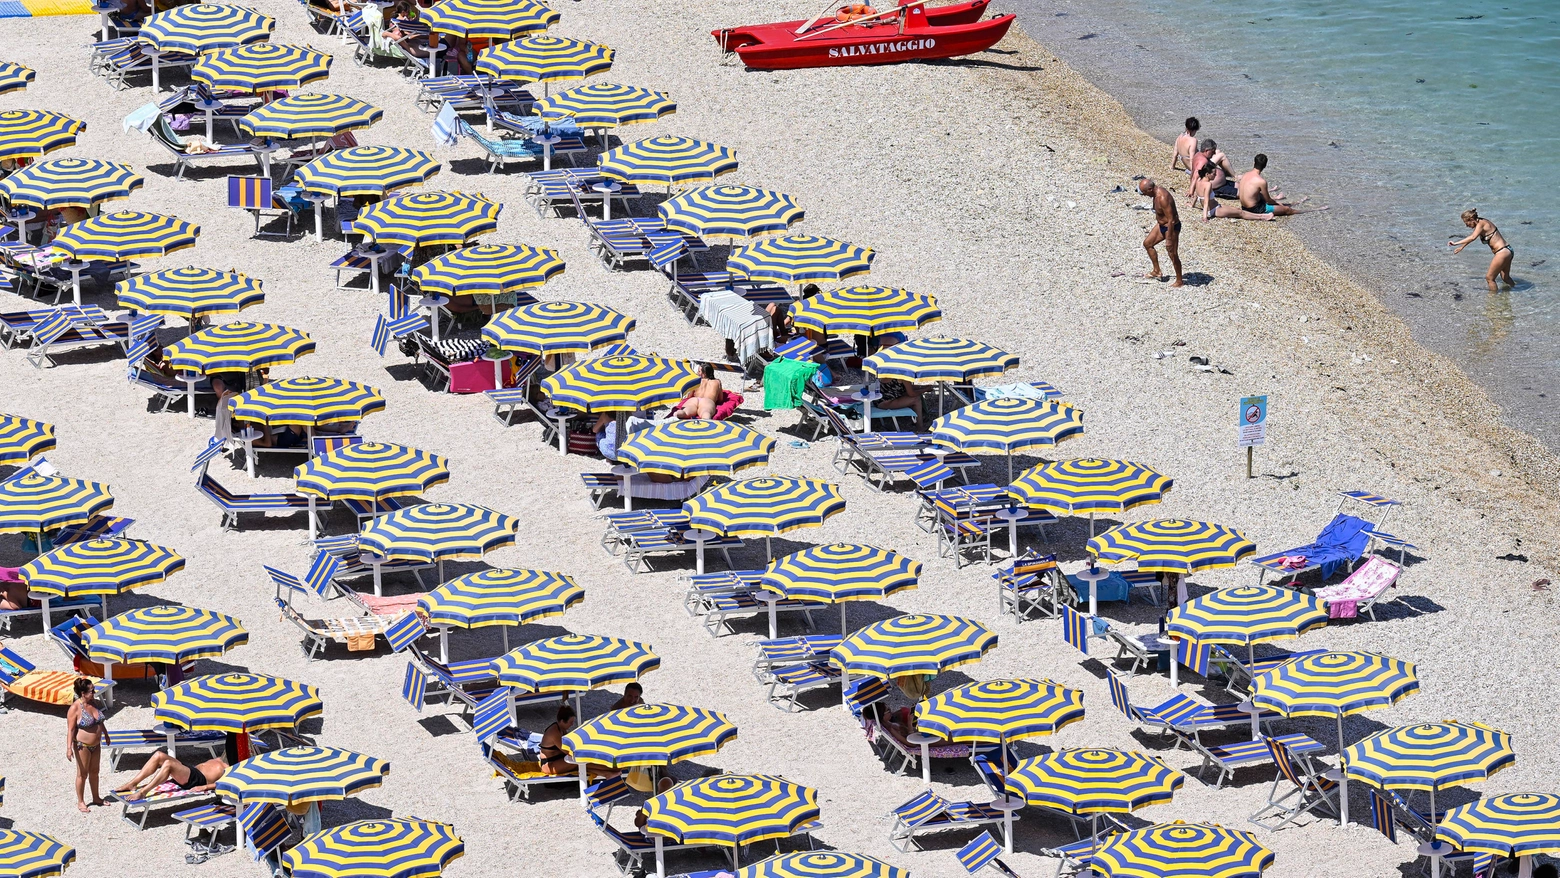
(1237, 672)
(22, 679)
(1032, 583)
(163, 135)
(99, 527)
(266, 829)
(1305, 787)
(1361, 590)
(166, 797)
(265, 202)
(983, 851)
(1340, 544)
(929, 813)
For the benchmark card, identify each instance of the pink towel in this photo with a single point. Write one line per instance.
(10, 574)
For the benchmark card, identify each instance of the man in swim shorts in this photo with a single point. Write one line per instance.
(1167, 228)
(1255, 196)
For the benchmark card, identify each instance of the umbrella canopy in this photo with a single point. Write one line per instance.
(191, 293)
(821, 864)
(99, 567)
(574, 662)
(500, 597)
(57, 183)
(1182, 850)
(1090, 485)
(998, 711)
(299, 775)
(490, 19)
(307, 402)
(730, 212)
(488, 270)
(697, 447)
(1172, 545)
(863, 310)
(547, 328)
(913, 644)
(731, 810)
(235, 703)
(36, 503)
(127, 234)
(606, 105)
(1429, 755)
(15, 77)
(32, 854)
(620, 384)
(1512, 825)
(545, 59)
(371, 471)
(309, 116)
(668, 161)
(438, 532)
(169, 635)
(939, 359)
(1007, 425)
(1097, 781)
(1247, 615)
(841, 572)
(366, 170)
(394, 847)
(202, 27)
(239, 347)
(427, 219)
(261, 67)
(765, 507)
(649, 734)
(22, 438)
(28, 134)
(790, 259)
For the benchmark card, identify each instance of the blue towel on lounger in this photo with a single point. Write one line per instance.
(1340, 542)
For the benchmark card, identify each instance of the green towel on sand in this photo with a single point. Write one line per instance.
(784, 381)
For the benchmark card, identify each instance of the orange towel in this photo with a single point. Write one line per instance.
(47, 687)
(360, 642)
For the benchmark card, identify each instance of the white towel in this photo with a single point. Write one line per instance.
(142, 119)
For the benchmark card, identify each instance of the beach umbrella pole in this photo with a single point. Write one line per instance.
(1525, 867)
(504, 630)
(843, 630)
(660, 859)
(1343, 785)
(583, 782)
(444, 644)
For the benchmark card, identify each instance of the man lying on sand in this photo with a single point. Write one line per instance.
(1255, 197)
(1167, 228)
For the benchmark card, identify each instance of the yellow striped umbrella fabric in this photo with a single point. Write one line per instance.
(1007, 425)
(865, 310)
(649, 734)
(1429, 756)
(574, 663)
(394, 847)
(36, 503)
(998, 711)
(1172, 545)
(15, 77)
(489, 270)
(126, 234)
(309, 116)
(500, 596)
(547, 328)
(191, 293)
(789, 259)
(730, 212)
(428, 219)
(1090, 485)
(1095, 781)
(371, 471)
(28, 134)
(239, 347)
(57, 183)
(23, 438)
(939, 359)
(668, 161)
(366, 170)
(697, 447)
(765, 507)
(489, 19)
(438, 532)
(913, 644)
(821, 864)
(1246, 615)
(261, 67)
(1181, 850)
(839, 573)
(731, 810)
(99, 567)
(201, 27)
(235, 703)
(545, 59)
(308, 402)
(167, 635)
(606, 105)
(1512, 825)
(620, 384)
(302, 775)
(33, 854)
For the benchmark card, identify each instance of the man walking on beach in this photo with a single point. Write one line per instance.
(1167, 228)
(1254, 194)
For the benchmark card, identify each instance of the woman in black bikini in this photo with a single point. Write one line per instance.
(84, 741)
(161, 768)
(550, 750)
(1484, 230)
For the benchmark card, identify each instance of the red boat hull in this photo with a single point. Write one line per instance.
(926, 34)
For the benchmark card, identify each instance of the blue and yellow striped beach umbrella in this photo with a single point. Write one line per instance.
(57, 183)
(668, 161)
(697, 447)
(547, 328)
(574, 662)
(236, 703)
(28, 134)
(790, 259)
(394, 847)
(1007, 425)
(606, 105)
(500, 596)
(1094, 781)
(166, 634)
(730, 212)
(201, 27)
(821, 864)
(308, 402)
(36, 503)
(765, 507)
(545, 59)
(865, 311)
(438, 532)
(488, 270)
(366, 170)
(1181, 850)
(913, 644)
(125, 234)
(15, 77)
(1090, 485)
(490, 19)
(99, 567)
(239, 347)
(261, 67)
(841, 572)
(939, 359)
(426, 219)
(649, 734)
(21, 439)
(620, 384)
(1246, 615)
(191, 293)
(1511, 825)
(998, 711)
(301, 775)
(731, 810)
(1173, 545)
(32, 854)
(371, 471)
(312, 116)
(1429, 756)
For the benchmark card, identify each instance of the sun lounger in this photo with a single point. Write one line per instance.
(118, 742)
(633, 846)
(163, 135)
(520, 775)
(668, 536)
(1340, 544)
(356, 633)
(1306, 787)
(1182, 716)
(202, 819)
(787, 683)
(22, 679)
(1230, 758)
(929, 813)
(705, 587)
(1239, 672)
(60, 333)
(1361, 590)
(788, 651)
(168, 796)
(607, 792)
(233, 505)
(721, 609)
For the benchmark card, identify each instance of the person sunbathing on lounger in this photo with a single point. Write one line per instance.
(552, 759)
(196, 777)
(708, 397)
(1254, 194)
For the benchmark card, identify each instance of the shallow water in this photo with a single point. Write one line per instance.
(1399, 115)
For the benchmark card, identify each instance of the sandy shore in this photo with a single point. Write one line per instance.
(991, 183)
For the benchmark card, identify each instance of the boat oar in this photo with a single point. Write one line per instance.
(895, 11)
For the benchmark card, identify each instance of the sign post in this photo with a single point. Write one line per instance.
(1252, 427)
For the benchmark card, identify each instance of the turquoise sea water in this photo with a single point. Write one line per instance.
(1398, 113)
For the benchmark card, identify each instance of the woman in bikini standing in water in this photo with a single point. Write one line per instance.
(84, 741)
(1484, 230)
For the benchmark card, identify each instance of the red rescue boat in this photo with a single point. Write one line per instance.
(856, 34)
